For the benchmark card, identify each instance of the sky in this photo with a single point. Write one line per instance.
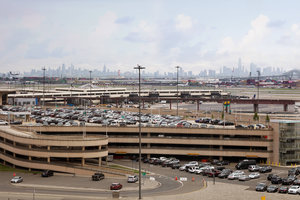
(157, 34)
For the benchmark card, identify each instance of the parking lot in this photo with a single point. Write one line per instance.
(188, 177)
(81, 116)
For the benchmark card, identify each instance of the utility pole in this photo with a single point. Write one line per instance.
(177, 67)
(140, 134)
(44, 80)
(258, 74)
(90, 86)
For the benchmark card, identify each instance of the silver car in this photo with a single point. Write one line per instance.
(254, 175)
(16, 179)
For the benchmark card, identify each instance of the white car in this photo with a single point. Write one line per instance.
(193, 163)
(3, 122)
(235, 175)
(16, 179)
(193, 169)
(254, 175)
(182, 168)
(295, 189)
(208, 167)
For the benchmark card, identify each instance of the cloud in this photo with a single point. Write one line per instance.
(124, 20)
(276, 23)
(258, 31)
(183, 22)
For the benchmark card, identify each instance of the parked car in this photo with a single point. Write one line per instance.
(47, 173)
(245, 164)
(244, 178)
(16, 122)
(254, 175)
(175, 166)
(269, 177)
(272, 188)
(283, 189)
(261, 187)
(288, 181)
(294, 171)
(254, 168)
(213, 173)
(235, 175)
(240, 126)
(97, 176)
(295, 189)
(222, 162)
(16, 179)
(265, 169)
(225, 173)
(296, 182)
(132, 179)
(276, 180)
(116, 186)
(3, 122)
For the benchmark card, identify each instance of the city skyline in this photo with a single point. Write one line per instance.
(70, 71)
(197, 35)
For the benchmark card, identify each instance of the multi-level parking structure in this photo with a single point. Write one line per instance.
(221, 143)
(61, 153)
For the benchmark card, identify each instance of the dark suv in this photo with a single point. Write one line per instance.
(276, 180)
(47, 173)
(97, 176)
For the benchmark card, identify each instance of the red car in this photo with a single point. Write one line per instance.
(116, 186)
(213, 172)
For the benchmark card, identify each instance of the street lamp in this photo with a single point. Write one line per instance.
(258, 74)
(177, 67)
(140, 134)
(90, 86)
(44, 80)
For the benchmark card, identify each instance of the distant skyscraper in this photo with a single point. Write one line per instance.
(104, 69)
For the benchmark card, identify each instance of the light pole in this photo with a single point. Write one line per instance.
(90, 87)
(177, 67)
(258, 74)
(140, 134)
(44, 80)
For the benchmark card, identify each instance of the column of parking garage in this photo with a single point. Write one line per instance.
(82, 159)
(4, 151)
(99, 163)
(48, 159)
(221, 147)
(148, 144)
(14, 154)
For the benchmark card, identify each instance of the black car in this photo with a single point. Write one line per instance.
(276, 180)
(47, 173)
(220, 168)
(272, 188)
(289, 180)
(261, 187)
(296, 182)
(269, 177)
(265, 169)
(294, 171)
(223, 162)
(16, 123)
(283, 189)
(97, 176)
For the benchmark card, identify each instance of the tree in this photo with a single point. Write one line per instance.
(267, 119)
(212, 116)
(255, 117)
